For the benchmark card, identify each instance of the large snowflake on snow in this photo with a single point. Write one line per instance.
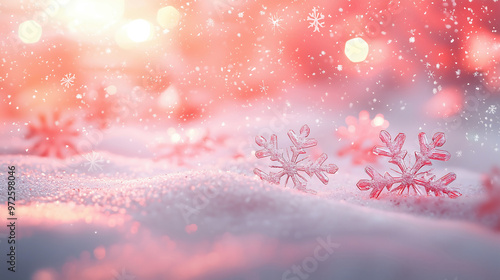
(410, 177)
(292, 166)
(54, 136)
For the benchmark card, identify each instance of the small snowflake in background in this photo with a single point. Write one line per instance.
(430, 74)
(491, 206)
(410, 177)
(362, 134)
(68, 80)
(459, 153)
(182, 147)
(94, 161)
(54, 136)
(275, 22)
(263, 88)
(315, 19)
(123, 275)
(492, 109)
(291, 166)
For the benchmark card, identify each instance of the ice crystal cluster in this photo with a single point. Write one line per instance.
(410, 176)
(289, 164)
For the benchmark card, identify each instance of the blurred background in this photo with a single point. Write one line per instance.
(171, 67)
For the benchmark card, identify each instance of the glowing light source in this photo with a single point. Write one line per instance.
(111, 90)
(93, 16)
(356, 49)
(138, 30)
(168, 17)
(30, 32)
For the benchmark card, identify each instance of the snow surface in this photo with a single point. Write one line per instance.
(151, 220)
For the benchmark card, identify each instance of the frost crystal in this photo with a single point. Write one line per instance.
(410, 177)
(54, 137)
(68, 80)
(491, 206)
(292, 166)
(315, 19)
(362, 135)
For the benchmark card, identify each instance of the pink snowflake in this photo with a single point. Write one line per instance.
(54, 137)
(291, 166)
(491, 184)
(362, 135)
(182, 147)
(410, 177)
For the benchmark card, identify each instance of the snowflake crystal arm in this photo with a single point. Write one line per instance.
(301, 142)
(292, 167)
(392, 149)
(429, 151)
(269, 148)
(438, 187)
(377, 183)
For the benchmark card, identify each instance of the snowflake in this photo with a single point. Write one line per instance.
(263, 88)
(123, 275)
(180, 147)
(291, 166)
(410, 177)
(54, 136)
(491, 206)
(362, 135)
(94, 161)
(430, 74)
(275, 21)
(68, 80)
(492, 109)
(315, 19)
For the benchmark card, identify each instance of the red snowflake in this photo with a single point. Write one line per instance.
(53, 135)
(491, 206)
(410, 177)
(362, 134)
